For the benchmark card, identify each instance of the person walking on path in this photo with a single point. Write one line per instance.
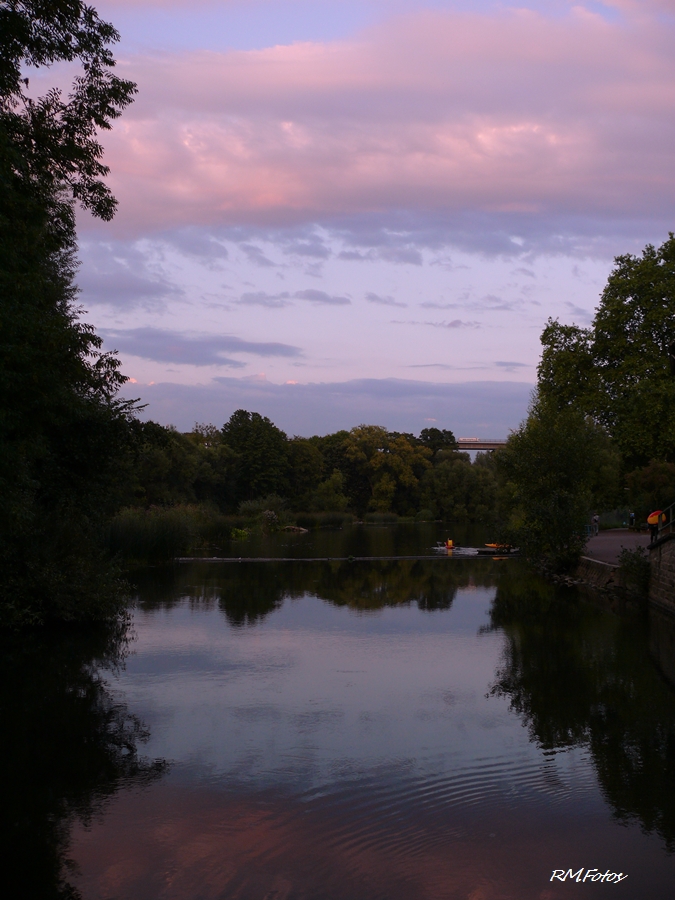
(596, 523)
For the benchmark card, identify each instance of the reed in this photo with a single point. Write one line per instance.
(381, 518)
(160, 533)
(324, 519)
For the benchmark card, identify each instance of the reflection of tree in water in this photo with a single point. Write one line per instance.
(578, 675)
(247, 592)
(68, 746)
(372, 586)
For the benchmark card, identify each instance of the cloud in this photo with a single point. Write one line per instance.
(493, 303)
(277, 301)
(512, 366)
(118, 274)
(489, 302)
(482, 408)
(455, 323)
(313, 248)
(585, 315)
(446, 366)
(321, 297)
(190, 349)
(198, 242)
(440, 305)
(405, 255)
(260, 298)
(385, 301)
(255, 255)
(506, 130)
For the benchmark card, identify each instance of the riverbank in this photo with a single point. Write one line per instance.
(599, 573)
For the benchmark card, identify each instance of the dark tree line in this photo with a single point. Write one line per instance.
(72, 453)
(600, 433)
(63, 431)
(368, 469)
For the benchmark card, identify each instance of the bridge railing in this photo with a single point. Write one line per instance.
(668, 527)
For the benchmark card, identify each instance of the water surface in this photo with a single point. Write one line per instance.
(415, 729)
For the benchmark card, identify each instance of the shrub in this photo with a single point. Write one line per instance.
(635, 569)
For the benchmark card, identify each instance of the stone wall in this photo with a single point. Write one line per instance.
(662, 641)
(604, 585)
(600, 575)
(662, 580)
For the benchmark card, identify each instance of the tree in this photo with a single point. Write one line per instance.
(52, 142)
(384, 469)
(554, 468)
(261, 455)
(438, 439)
(618, 370)
(652, 487)
(457, 490)
(305, 462)
(64, 435)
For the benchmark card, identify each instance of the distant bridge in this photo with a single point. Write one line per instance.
(480, 444)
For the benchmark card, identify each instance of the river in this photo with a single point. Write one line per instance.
(408, 730)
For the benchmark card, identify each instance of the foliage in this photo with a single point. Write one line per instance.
(436, 439)
(425, 515)
(457, 490)
(306, 468)
(330, 496)
(384, 469)
(373, 471)
(554, 467)
(64, 436)
(617, 371)
(261, 463)
(273, 502)
(70, 743)
(579, 677)
(652, 487)
(154, 534)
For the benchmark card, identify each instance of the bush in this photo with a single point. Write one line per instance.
(155, 534)
(380, 518)
(273, 503)
(425, 515)
(554, 469)
(324, 519)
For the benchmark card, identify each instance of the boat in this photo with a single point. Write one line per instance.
(451, 548)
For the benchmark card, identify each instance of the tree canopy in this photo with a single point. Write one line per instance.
(64, 434)
(618, 370)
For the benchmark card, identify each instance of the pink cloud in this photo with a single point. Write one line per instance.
(431, 112)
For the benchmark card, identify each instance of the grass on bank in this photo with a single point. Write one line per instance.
(158, 534)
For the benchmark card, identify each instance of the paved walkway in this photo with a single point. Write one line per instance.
(607, 545)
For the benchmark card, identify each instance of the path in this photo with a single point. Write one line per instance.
(607, 545)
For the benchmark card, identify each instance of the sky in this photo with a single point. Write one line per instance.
(335, 212)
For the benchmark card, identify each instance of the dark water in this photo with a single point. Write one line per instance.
(400, 730)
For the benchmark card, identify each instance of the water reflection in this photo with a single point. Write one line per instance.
(248, 592)
(67, 748)
(349, 731)
(578, 676)
(662, 642)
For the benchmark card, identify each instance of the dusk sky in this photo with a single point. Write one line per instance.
(335, 212)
